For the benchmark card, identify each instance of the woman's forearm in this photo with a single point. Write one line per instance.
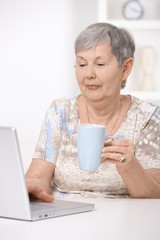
(41, 169)
(139, 182)
(38, 179)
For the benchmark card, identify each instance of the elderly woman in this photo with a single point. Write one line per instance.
(131, 166)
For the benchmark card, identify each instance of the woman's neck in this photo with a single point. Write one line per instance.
(103, 112)
(109, 113)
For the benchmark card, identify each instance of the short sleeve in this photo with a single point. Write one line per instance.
(50, 135)
(148, 145)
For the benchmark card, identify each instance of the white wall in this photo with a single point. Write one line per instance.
(37, 59)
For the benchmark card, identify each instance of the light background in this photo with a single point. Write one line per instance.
(37, 57)
(37, 60)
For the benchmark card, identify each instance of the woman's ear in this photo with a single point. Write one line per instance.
(127, 66)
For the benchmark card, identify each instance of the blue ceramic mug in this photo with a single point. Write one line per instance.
(90, 141)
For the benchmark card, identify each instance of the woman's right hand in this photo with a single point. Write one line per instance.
(38, 179)
(38, 189)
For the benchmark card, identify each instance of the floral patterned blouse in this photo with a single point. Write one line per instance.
(57, 144)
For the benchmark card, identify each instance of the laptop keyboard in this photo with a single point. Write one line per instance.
(44, 206)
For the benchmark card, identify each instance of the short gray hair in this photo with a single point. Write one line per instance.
(121, 41)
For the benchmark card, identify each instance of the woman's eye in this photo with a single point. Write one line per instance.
(100, 64)
(82, 65)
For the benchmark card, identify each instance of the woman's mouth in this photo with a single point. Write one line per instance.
(92, 87)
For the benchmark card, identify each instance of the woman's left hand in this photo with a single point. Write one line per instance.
(118, 151)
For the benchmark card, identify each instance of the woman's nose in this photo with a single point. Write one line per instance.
(90, 73)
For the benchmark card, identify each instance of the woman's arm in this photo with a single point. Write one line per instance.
(38, 179)
(140, 183)
(41, 170)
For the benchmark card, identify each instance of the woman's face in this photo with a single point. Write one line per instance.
(98, 73)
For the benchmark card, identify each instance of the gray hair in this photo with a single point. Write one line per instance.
(121, 41)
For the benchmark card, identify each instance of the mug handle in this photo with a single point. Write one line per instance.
(114, 137)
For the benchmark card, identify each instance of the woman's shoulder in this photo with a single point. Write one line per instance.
(63, 107)
(63, 103)
(145, 108)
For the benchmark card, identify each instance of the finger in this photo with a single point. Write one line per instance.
(117, 162)
(117, 142)
(121, 142)
(111, 156)
(115, 149)
(110, 161)
(44, 196)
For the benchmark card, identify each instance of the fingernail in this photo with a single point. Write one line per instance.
(102, 155)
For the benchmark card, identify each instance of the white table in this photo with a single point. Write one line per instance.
(113, 219)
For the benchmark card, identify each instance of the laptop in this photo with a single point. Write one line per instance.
(14, 199)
